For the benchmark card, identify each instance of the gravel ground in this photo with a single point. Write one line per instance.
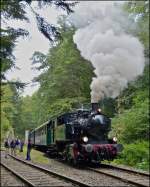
(37, 177)
(129, 175)
(89, 177)
(8, 179)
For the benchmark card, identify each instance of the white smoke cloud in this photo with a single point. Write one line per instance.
(102, 38)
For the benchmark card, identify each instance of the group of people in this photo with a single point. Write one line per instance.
(17, 144)
(13, 145)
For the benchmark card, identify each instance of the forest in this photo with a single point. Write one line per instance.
(65, 85)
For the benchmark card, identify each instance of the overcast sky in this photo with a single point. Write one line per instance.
(26, 46)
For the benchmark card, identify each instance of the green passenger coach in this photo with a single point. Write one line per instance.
(46, 135)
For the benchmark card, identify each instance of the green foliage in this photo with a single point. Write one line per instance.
(7, 109)
(5, 125)
(108, 106)
(36, 156)
(7, 45)
(70, 73)
(10, 110)
(64, 105)
(30, 113)
(10, 10)
(8, 40)
(13, 9)
(139, 13)
(133, 124)
(136, 91)
(39, 59)
(64, 83)
(65, 79)
(135, 155)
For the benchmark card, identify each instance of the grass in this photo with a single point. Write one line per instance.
(36, 156)
(2, 148)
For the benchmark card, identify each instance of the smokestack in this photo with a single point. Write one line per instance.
(94, 106)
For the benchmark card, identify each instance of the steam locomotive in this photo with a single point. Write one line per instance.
(79, 136)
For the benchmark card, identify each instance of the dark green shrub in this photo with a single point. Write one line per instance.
(135, 155)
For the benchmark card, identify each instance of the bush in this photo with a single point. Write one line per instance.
(133, 124)
(135, 155)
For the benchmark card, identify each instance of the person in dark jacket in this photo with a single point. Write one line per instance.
(21, 145)
(17, 142)
(29, 146)
(6, 145)
(13, 146)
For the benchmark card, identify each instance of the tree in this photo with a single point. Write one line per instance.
(64, 81)
(8, 40)
(132, 123)
(9, 108)
(139, 13)
(13, 9)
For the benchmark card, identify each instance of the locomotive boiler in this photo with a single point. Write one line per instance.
(79, 136)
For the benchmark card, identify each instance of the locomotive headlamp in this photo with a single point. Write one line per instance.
(99, 110)
(114, 139)
(85, 138)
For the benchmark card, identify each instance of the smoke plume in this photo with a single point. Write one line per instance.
(102, 38)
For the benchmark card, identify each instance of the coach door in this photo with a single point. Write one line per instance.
(49, 138)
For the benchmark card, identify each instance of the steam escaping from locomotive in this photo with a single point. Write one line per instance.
(102, 38)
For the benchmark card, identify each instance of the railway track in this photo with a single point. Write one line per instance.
(8, 178)
(127, 175)
(34, 175)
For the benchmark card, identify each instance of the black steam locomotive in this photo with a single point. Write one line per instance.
(80, 136)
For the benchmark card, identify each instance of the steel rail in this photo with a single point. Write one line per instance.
(118, 177)
(126, 169)
(17, 174)
(51, 172)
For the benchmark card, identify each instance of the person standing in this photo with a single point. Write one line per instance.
(12, 146)
(17, 142)
(21, 145)
(29, 146)
(6, 145)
